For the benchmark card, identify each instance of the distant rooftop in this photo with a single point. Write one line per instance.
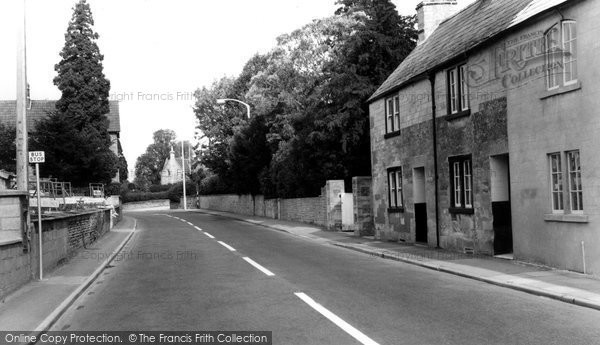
(40, 109)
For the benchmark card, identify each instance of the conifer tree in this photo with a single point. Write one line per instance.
(75, 137)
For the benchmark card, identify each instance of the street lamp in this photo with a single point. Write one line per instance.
(223, 100)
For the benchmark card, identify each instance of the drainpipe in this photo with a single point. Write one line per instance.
(435, 159)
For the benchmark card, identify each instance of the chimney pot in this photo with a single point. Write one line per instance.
(430, 13)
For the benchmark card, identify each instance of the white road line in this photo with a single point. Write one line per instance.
(197, 228)
(209, 235)
(358, 335)
(259, 267)
(226, 246)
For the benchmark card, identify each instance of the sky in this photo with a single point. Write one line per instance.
(156, 52)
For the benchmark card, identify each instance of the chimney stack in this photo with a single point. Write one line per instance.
(430, 13)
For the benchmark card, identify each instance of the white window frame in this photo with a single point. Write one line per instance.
(575, 184)
(556, 183)
(392, 114)
(462, 182)
(464, 88)
(395, 190)
(552, 44)
(458, 89)
(453, 87)
(457, 185)
(569, 46)
(468, 183)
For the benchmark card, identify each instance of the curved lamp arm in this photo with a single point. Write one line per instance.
(223, 100)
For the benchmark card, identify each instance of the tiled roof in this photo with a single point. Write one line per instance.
(474, 25)
(40, 109)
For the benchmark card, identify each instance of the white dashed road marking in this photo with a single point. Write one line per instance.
(209, 235)
(226, 246)
(259, 267)
(358, 335)
(197, 228)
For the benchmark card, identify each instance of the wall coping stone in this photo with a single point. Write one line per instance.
(4, 193)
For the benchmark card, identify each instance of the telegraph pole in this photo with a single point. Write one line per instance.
(21, 140)
(183, 174)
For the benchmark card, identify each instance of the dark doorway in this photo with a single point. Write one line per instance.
(420, 205)
(500, 187)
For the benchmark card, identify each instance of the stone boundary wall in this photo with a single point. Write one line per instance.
(306, 210)
(139, 205)
(62, 237)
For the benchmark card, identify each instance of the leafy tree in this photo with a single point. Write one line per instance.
(75, 137)
(250, 157)
(310, 94)
(8, 153)
(149, 165)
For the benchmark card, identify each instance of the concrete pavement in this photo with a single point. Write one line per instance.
(38, 304)
(565, 286)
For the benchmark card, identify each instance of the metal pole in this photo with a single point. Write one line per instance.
(183, 175)
(22, 161)
(39, 207)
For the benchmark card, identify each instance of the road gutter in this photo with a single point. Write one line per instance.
(436, 267)
(51, 319)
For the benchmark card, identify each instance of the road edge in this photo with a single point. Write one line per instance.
(533, 291)
(51, 319)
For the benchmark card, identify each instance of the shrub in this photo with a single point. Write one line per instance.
(144, 196)
(160, 187)
(176, 190)
(113, 189)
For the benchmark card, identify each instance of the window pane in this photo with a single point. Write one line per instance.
(399, 188)
(570, 51)
(389, 113)
(396, 113)
(453, 91)
(457, 189)
(556, 187)
(468, 183)
(552, 58)
(464, 91)
(576, 190)
(392, 181)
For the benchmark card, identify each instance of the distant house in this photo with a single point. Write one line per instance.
(40, 109)
(172, 169)
(485, 138)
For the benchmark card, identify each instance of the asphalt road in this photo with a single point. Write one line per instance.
(172, 276)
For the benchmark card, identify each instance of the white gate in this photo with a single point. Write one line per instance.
(347, 210)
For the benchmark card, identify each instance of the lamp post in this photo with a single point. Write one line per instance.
(223, 100)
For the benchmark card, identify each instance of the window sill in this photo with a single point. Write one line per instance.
(396, 210)
(566, 218)
(458, 115)
(461, 210)
(561, 90)
(391, 134)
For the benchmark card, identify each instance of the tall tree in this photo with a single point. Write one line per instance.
(149, 165)
(85, 89)
(76, 136)
(8, 153)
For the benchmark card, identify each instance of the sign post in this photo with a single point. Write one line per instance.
(38, 157)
